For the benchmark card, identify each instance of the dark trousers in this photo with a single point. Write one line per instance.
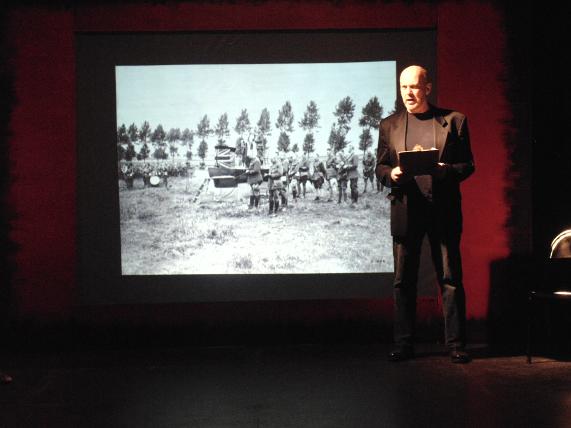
(445, 253)
(354, 189)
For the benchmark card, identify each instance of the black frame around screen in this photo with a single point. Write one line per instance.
(99, 262)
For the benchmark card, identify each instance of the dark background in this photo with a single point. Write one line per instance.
(485, 65)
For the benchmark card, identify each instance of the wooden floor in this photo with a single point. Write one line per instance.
(297, 386)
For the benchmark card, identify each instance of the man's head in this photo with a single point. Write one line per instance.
(415, 88)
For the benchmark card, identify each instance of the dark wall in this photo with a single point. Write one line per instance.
(475, 52)
(551, 148)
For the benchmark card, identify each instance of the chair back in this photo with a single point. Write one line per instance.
(561, 246)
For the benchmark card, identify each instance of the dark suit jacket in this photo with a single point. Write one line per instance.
(453, 143)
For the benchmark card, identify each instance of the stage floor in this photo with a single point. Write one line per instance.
(299, 386)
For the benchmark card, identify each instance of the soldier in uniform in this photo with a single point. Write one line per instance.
(293, 176)
(331, 172)
(128, 174)
(261, 149)
(303, 173)
(319, 175)
(241, 150)
(147, 172)
(353, 174)
(368, 169)
(275, 185)
(254, 178)
(341, 176)
(285, 178)
(163, 173)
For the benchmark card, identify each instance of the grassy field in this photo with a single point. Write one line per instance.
(180, 230)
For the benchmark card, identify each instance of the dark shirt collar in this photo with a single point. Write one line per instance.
(428, 114)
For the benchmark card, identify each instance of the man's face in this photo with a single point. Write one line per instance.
(414, 90)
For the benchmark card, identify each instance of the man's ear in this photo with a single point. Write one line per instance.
(428, 88)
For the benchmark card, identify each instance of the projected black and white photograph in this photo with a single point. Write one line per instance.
(252, 168)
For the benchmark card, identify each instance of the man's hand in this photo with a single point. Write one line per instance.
(439, 171)
(397, 174)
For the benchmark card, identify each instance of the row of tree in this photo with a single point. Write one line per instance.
(165, 143)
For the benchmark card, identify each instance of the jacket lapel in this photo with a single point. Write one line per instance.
(400, 133)
(441, 133)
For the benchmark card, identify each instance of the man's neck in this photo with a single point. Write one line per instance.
(420, 110)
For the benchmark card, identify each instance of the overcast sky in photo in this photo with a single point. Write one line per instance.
(178, 96)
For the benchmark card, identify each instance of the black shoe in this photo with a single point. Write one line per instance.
(459, 356)
(401, 354)
(5, 378)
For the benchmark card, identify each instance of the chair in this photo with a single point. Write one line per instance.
(558, 277)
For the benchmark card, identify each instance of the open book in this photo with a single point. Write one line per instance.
(418, 162)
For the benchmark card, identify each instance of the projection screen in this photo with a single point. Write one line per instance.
(170, 128)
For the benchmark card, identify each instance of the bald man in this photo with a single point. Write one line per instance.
(426, 205)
